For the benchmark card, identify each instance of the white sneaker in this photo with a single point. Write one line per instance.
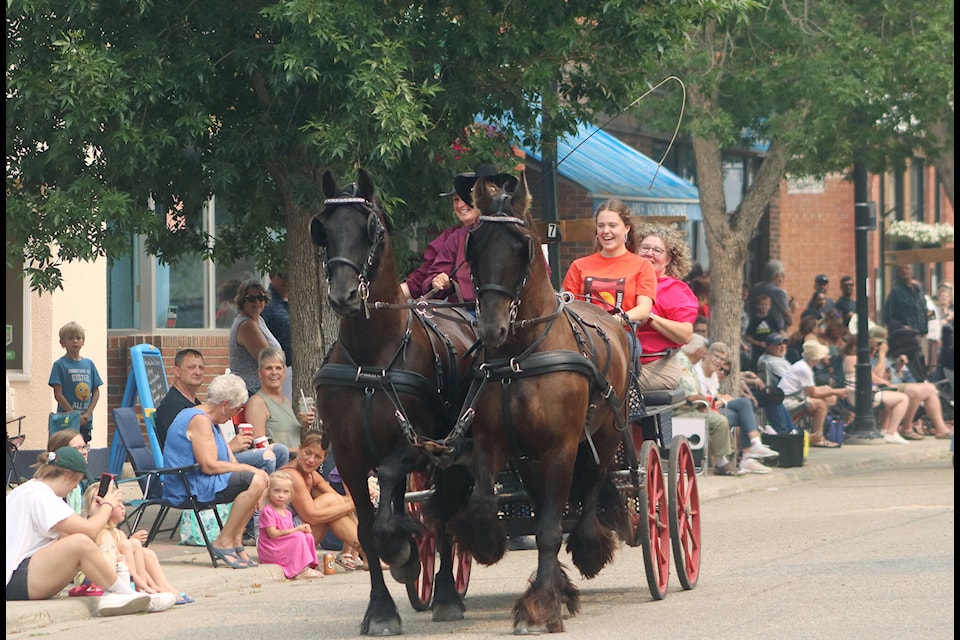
(750, 465)
(161, 602)
(119, 604)
(894, 438)
(760, 451)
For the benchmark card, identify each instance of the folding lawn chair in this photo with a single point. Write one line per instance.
(13, 448)
(151, 480)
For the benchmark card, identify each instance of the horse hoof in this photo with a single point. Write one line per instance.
(384, 631)
(524, 630)
(450, 613)
(409, 571)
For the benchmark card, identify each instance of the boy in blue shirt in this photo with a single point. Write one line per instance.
(75, 380)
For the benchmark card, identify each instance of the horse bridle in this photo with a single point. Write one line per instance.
(376, 232)
(513, 294)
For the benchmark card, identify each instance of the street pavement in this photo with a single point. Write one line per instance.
(190, 569)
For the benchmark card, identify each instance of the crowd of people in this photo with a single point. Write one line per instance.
(797, 368)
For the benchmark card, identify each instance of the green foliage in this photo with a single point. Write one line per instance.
(112, 103)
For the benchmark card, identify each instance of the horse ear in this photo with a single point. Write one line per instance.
(521, 196)
(481, 195)
(365, 182)
(329, 184)
(317, 233)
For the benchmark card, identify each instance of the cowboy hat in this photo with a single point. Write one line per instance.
(463, 182)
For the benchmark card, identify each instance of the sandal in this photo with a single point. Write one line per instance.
(823, 443)
(86, 589)
(910, 435)
(242, 554)
(307, 574)
(347, 561)
(183, 598)
(229, 557)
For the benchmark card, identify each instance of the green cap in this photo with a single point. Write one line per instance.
(69, 458)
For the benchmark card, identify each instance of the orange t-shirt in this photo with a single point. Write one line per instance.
(611, 282)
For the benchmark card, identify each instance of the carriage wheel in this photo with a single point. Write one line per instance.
(684, 500)
(462, 564)
(654, 531)
(420, 591)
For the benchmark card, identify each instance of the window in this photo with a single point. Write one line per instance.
(194, 293)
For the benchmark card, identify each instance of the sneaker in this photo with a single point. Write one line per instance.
(119, 604)
(760, 451)
(723, 470)
(750, 465)
(161, 602)
(894, 438)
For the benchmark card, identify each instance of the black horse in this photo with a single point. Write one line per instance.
(549, 399)
(387, 394)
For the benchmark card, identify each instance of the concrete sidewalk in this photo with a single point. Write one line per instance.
(189, 568)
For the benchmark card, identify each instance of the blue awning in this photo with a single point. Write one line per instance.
(608, 168)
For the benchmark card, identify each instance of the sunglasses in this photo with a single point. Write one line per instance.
(260, 298)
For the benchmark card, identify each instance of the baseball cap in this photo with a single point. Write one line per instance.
(822, 278)
(776, 338)
(71, 459)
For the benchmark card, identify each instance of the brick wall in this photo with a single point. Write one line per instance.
(213, 347)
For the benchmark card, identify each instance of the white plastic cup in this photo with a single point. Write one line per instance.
(306, 404)
(261, 442)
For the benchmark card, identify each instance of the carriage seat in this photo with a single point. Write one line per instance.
(657, 397)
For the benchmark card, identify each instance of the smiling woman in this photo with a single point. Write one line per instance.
(614, 278)
(268, 410)
(249, 334)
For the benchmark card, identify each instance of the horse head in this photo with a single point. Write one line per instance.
(500, 250)
(352, 229)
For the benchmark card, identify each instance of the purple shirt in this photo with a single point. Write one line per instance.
(419, 281)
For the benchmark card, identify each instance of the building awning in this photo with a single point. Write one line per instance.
(608, 168)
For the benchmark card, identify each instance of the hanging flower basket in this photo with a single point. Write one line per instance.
(911, 234)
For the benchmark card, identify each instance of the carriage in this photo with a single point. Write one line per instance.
(518, 422)
(664, 505)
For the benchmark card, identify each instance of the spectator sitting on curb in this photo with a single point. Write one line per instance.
(802, 397)
(47, 543)
(739, 412)
(719, 437)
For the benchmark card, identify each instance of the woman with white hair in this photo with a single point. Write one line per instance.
(194, 437)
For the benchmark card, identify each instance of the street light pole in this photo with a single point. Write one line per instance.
(864, 428)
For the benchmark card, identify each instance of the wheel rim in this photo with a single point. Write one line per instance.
(420, 591)
(684, 512)
(654, 529)
(463, 563)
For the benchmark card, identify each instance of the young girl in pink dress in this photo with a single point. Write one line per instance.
(280, 541)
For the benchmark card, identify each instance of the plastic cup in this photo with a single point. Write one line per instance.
(261, 442)
(306, 404)
(245, 428)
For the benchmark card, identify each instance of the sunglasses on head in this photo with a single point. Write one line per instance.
(261, 298)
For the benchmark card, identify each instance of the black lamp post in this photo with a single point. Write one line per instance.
(864, 428)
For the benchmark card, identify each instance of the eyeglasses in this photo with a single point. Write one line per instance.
(260, 298)
(646, 248)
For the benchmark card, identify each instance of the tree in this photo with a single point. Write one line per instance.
(822, 84)
(113, 105)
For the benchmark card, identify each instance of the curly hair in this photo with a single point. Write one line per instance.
(673, 240)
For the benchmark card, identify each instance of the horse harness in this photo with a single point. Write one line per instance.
(533, 363)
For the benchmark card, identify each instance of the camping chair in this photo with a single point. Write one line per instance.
(13, 448)
(151, 480)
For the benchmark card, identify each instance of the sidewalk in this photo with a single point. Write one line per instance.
(189, 568)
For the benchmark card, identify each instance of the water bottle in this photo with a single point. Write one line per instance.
(123, 572)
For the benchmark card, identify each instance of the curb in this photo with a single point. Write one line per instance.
(189, 568)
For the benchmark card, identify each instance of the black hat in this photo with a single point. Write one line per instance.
(463, 182)
(821, 278)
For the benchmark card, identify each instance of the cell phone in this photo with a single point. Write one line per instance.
(105, 480)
